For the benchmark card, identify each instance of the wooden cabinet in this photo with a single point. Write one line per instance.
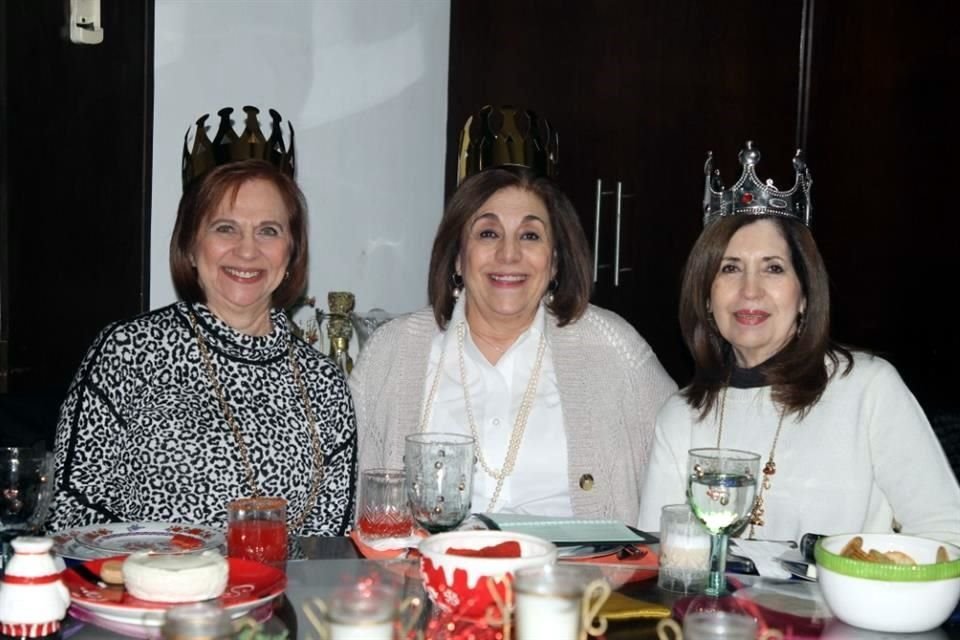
(74, 191)
(638, 92)
(883, 145)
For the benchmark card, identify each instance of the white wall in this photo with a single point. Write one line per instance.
(364, 83)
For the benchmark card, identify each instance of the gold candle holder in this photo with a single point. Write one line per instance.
(339, 328)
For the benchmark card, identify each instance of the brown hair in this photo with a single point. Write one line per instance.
(798, 373)
(573, 268)
(204, 195)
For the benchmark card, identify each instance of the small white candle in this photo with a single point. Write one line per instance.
(361, 631)
(543, 616)
(684, 561)
(685, 552)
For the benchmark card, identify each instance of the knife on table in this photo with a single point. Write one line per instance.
(110, 592)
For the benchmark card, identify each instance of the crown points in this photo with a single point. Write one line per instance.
(228, 147)
(507, 135)
(750, 196)
(799, 164)
(749, 156)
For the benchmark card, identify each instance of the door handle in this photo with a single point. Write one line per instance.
(616, 240)
(618, 192)
(596, 231)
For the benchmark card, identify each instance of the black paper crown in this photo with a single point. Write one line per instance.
(507, 135)
(228, 147)
(749, 196)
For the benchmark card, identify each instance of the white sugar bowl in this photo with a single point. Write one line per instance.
(33, 598)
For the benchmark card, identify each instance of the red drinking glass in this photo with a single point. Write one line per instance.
(257, 530)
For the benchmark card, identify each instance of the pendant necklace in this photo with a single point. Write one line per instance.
(769, 469)
(317, 451)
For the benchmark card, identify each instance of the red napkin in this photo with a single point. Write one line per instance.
(508, 549)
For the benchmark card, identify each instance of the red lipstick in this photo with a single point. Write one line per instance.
(750, 316)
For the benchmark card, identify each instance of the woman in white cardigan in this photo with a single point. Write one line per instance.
(560, 395)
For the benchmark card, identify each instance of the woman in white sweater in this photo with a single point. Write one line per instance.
(560, 395)
(847, 447)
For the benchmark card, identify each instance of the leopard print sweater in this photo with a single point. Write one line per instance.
(142, 437)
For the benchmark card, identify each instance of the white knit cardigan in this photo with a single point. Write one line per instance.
(611, 387)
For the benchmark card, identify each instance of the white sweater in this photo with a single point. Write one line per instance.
(863, 456)
(611, 387)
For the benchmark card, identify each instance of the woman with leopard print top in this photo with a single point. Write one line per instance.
(180, 410)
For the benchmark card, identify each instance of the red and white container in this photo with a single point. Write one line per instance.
(33, 598)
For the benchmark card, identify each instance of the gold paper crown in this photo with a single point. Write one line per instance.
(507, 135)
(228, 147)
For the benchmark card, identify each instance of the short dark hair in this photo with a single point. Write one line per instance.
(205, 194)
(573, 267)
(798, 373)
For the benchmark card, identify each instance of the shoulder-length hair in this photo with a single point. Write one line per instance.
(572, 252)
(204, 195)
(799, 372)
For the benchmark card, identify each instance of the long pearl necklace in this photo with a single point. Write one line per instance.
(769, 469)
(519, 426)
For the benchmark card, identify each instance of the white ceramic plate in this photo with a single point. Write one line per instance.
(250, 584)
(107, 540)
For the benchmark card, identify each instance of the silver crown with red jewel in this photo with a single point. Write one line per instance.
(750, 196)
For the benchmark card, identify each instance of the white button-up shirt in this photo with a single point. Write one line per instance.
(538, 484)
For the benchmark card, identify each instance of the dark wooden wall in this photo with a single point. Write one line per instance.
(75, 130)
(639, 91)
(883, 141)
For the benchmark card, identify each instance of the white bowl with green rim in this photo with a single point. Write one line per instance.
(889, 597)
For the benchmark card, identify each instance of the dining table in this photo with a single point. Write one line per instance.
(320, 565)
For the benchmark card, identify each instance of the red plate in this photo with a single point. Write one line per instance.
(249, 584)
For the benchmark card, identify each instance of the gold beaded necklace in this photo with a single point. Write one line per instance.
(769, 469)
(238, 437)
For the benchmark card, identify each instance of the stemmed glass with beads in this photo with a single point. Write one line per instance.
(721, 489)
(439, 478)
(26, 490)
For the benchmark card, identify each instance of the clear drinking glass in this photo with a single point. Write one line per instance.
(721, 489)
(26, 489)
(439, 470)
(362, 612)
(384, 509)
(549, 600)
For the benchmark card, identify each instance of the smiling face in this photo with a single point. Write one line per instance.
(241, 254)
(756, 295)
(506, 261)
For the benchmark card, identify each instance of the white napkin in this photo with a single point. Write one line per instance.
(388, 544)
(765, 556)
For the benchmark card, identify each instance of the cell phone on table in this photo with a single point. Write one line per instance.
(740, 564)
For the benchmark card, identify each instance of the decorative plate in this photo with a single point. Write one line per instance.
(133, 630)
(249, 585)
(107, 540)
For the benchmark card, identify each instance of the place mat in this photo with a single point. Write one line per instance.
(567, 531)
(620, 607)
(620, 571)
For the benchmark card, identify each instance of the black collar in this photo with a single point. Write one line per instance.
(748, 378)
